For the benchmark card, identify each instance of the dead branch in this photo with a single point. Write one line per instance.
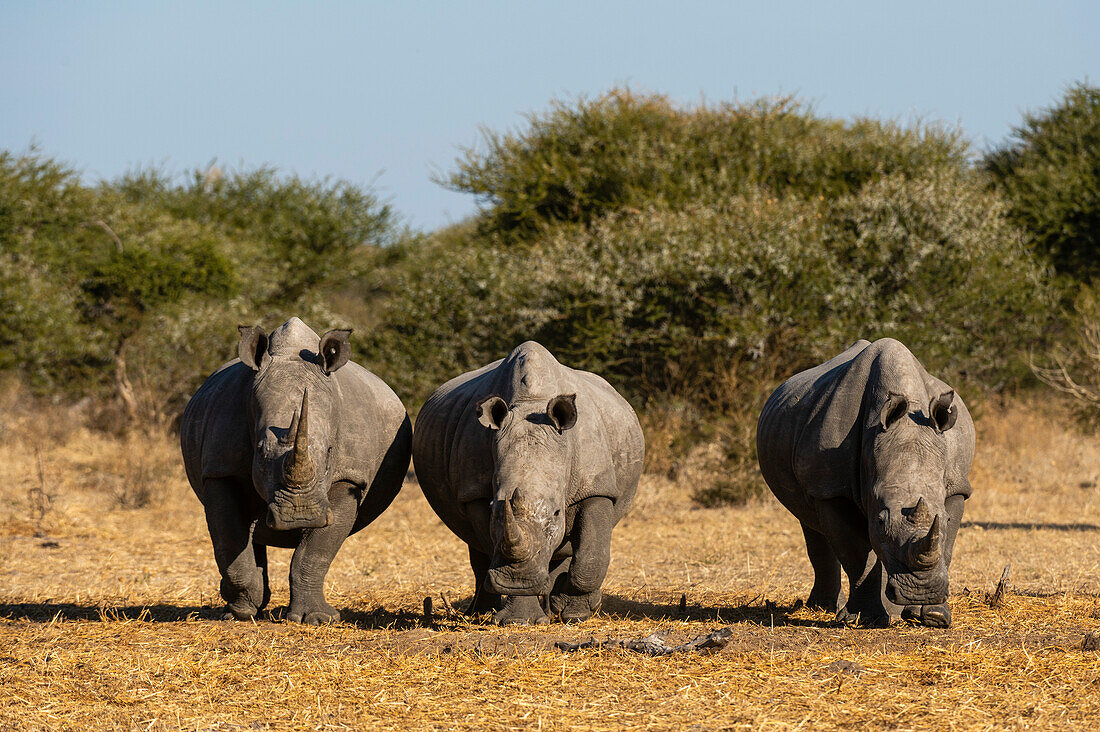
(654, 643)
(103, 225)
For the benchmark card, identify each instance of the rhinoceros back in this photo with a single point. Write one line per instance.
(807, 435)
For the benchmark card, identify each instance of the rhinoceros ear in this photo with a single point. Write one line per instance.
(491, 412)
(942, 411)
(562, 411)
(334, 350)
(896, 407)
(252, 349)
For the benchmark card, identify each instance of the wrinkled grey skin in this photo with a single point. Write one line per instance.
(291, 445)
(531, 464)
(872, 454)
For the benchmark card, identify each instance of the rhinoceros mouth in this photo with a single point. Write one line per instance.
(287, 521)
(900, 593)
(507, 581)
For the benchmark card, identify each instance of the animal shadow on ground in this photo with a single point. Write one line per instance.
(1002, 525)
(45, 612)
(758, 611)
(381, 618)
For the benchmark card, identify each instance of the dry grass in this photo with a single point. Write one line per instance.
(107, 611)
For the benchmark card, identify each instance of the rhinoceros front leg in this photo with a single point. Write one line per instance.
(313, 556)
(576, 594)
(845, 528)
(243, 566)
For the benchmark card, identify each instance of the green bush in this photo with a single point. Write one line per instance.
(622, 150)
(1049, 172)
(664, 302)
(295, 234)
(126, 289)
(41, 335)
(42, 205)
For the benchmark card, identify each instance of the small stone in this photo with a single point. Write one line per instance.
(1091, 641)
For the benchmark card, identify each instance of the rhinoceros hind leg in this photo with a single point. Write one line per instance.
(484, 601)
(866, 605)
(259, 551)
(825, 594)
(845, 528)
(521, 610)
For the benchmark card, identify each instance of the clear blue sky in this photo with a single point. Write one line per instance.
(388, 92)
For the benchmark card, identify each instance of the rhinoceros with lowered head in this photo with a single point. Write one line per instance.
(532, 464)
(872, 455)
(291, 445)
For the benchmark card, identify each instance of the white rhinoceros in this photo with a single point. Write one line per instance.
(872, 455)
(291, 445)
(532, 464)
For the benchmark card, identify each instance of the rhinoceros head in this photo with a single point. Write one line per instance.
(912, 518)
(291, 411)
(532, 461)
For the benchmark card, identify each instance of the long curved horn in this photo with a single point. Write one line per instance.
(927, 550)
(298, 470)
(513, 544)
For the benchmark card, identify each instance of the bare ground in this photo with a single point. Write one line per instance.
(108, 589)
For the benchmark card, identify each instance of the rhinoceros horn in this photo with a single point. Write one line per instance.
(298, 470)
(920, 514)
(927, 550)
(514, 546)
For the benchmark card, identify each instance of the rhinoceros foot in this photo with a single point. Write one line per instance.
(932, 616)
(245, 593)
(827, 602)
(317, 613)
(521, 610)
(575, 608)
(869, 618)
(231, 613)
